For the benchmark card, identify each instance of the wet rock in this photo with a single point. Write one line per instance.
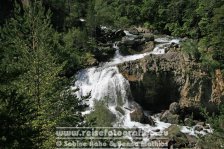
(143, 30)
(138, 115)
(139, 41)
(108, 44)
(207, 127)
(139, 37)
(132, 42)
(206, 131)
(174, 45)
(198, 128)
(157, 130)
(149, 120)
(119, 33)
(149, 37)
(148, 46)
(201, 123)
(168, 117)
(127, 41)
(174, 108)
(133, 31)
(131, 45)
(104, 34)
(164, 115)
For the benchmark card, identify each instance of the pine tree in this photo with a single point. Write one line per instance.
(34, 99)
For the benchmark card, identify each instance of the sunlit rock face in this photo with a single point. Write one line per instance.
(158, 80)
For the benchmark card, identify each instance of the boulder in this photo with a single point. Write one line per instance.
(127, 41)
(120, 33)
(207, 127)
(157, 130)
(148, 46)
(117, 34)
(139, 41)
(138, 115)
(149, 120)
(198, 128)
(168, 117)
(108, 44)
(174, 108)
(143, 30)
(174, 45)
(104, 34)
(201, 124)
(149, 37)
(132, 42)
(133, 31)
(138, 37)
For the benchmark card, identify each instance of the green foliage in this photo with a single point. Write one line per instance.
(216, 139)
(33, 100)
(190, 47)
(148, 26)
(122, 22)
(211, 141)
(175, 29)
(102, 116)
(217, 121)
(208, 62)
(88, 59)
(68, 52)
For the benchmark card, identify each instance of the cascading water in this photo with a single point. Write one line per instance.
(103, 84)
(106, 83)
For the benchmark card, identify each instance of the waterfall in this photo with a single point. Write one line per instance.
(117, 52)
(107, 84)
(103, 84)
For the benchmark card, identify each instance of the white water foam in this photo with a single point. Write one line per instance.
(102, 84)
(106, 83)
(127, 33)
(159, 49)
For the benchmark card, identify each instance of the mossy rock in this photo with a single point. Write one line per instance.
(168, 117)
(101, 116)
(177, 136)
(118, 108)
(149, 37)
(137, 114)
